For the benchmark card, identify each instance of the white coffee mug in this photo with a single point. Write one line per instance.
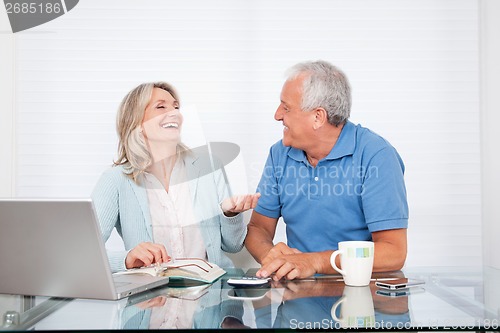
(356, 309)
(356, 259)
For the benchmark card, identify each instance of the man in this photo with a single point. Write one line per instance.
(329, 179)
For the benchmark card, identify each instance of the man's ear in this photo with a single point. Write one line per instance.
(320, 118)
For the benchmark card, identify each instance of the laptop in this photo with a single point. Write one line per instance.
(54, 247)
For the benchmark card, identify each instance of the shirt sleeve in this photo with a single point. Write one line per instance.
(383, 195)
(233, 229)
(105, 199)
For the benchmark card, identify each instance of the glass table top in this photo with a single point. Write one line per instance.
(450, 298)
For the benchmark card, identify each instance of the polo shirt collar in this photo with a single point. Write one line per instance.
(343, 147)
(297, 154)
(345, 144)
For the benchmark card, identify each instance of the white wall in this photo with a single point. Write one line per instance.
(490, 135)
(413, 66)
(7, 93)
(490, 157)
(7, 302)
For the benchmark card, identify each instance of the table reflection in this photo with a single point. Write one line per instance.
(356, 308)
(202, 306)
(450, 298)
(313, 303)
(329, 304)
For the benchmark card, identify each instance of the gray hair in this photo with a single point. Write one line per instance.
(324, 86)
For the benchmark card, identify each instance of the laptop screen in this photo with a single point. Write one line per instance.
(53, 247)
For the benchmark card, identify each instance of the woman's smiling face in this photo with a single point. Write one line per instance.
(162, 119)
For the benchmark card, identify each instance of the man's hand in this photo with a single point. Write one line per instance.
(239, 203)
(277, 251)
(145, 254)
(292, 266)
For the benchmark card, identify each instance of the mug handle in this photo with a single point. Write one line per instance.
(332, 261)
(334, 309)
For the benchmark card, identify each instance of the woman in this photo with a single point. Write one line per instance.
(165, 201)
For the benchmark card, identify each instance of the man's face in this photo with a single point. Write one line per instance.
(297, 124)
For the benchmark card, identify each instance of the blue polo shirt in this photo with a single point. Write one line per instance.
(356, 190)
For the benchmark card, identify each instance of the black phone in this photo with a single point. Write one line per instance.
(400, 292)
(401, 283)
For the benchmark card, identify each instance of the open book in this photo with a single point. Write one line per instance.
(182, 269)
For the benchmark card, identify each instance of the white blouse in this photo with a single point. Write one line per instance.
(172, 215)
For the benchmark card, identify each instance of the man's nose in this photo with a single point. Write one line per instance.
(278, 115)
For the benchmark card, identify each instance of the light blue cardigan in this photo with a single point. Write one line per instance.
(122, 203)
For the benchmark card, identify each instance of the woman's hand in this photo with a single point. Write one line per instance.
(239, 203)
(146, 254)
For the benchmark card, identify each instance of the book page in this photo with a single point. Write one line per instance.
(192, 268)
(182, 268)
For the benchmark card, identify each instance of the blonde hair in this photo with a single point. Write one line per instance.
(133, 151)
